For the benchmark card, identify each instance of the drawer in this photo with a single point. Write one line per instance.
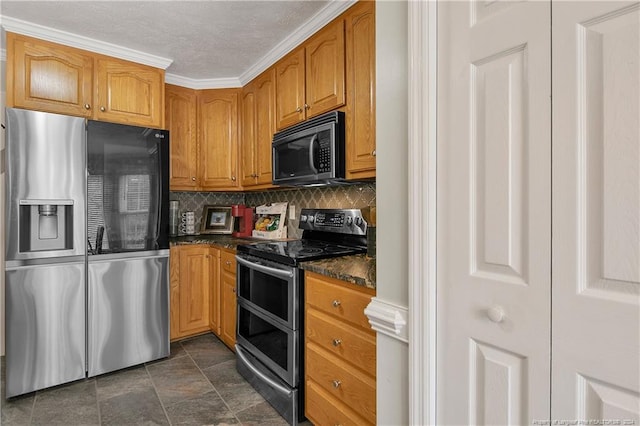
(228, 261)
(323, 409)
(355, 389)
(342, 340)
(335, 298)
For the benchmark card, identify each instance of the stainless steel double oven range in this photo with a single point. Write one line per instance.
(270, 289)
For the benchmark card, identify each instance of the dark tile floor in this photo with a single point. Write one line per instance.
(197, 385)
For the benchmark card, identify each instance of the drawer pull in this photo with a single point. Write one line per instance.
(336, 384)
(337, 342)
(336, 303)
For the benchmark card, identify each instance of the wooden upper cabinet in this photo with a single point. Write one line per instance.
(54, 78)
(218, 139)
(361, 78)
(290, 75)
(311, 79)
(258, 127)
(48, 77)
(324, 58)
(180, 120)
(248, 135)
(129, 93)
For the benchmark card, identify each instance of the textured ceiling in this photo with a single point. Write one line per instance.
(205, 39)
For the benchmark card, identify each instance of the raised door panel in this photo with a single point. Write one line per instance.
(214, 291)
(48, 77)
(195, 273)
(339, 379)
(321, 408)
(494, 239)
(248, 136)
(129, 93)
(342, 340)
(361, 82)
(218, 138)
(324, 56)
(180, 120)
(228, 309)
(265, 86)
(290, 75)
(336, 298)
(596, 212)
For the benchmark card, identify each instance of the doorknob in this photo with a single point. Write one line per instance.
(496, 313)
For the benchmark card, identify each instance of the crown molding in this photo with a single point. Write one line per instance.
(205, 83)
(57, 36)
(317, 21)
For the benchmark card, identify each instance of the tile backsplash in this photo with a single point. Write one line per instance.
(344, 196)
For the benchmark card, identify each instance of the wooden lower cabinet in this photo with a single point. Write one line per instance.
(228, 298)
(191, 271)
(340, 353)
(203, 294)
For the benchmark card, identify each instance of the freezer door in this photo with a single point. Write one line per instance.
(128, 310)
(45, 308)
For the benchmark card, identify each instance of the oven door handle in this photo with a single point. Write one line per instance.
(260, 374)
(266, 269)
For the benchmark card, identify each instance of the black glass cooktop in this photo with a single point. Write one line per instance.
(295, 251)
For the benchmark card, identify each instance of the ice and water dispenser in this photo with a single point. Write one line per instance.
(46, 225)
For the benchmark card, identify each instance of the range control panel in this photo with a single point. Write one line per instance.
(342, 221)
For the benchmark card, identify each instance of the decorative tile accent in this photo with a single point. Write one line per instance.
(327, 197)
(195, 201)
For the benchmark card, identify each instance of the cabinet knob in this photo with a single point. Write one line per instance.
(298, 109)
(228, 262)
(87, 106)
(193, 178)
(373, 153)
(233, 178)
(233, 290)
(336, 303)
(337, 342)
(496, 313)
(103, 109)
(306, 106)
(336, 384)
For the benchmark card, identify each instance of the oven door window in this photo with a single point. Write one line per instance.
(271, 343)
(272, 294)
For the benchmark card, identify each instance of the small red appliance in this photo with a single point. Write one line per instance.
(242, 220)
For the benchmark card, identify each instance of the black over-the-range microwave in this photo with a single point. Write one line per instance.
(310, 153)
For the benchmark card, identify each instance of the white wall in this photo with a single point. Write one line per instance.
(392, 202)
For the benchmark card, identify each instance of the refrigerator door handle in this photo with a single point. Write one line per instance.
(30, 263)
(108, 257)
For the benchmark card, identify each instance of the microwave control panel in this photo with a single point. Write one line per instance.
(344, 221)
(324, 155)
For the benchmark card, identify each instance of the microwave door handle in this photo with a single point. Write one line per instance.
(265, 269)
(314, 140)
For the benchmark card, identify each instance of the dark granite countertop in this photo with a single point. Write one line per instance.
(357, 269)
(219, 240)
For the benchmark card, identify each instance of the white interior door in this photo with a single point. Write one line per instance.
(494, 211)
(596, 211)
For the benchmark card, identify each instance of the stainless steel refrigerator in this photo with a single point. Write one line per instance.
(87, 252)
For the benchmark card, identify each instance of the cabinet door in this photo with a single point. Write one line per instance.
(265, 87)
(180, 120)
(290, 89)
(195, 275)
(48, 77)
(129, 93)
(214, 291)
(325, 70)
(228, 309)
(174, 292)
(248, 136)
(218, 139)
(361, 82)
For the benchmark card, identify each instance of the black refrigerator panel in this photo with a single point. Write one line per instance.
(127, 188)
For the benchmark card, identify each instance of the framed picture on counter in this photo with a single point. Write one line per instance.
(216, 220)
